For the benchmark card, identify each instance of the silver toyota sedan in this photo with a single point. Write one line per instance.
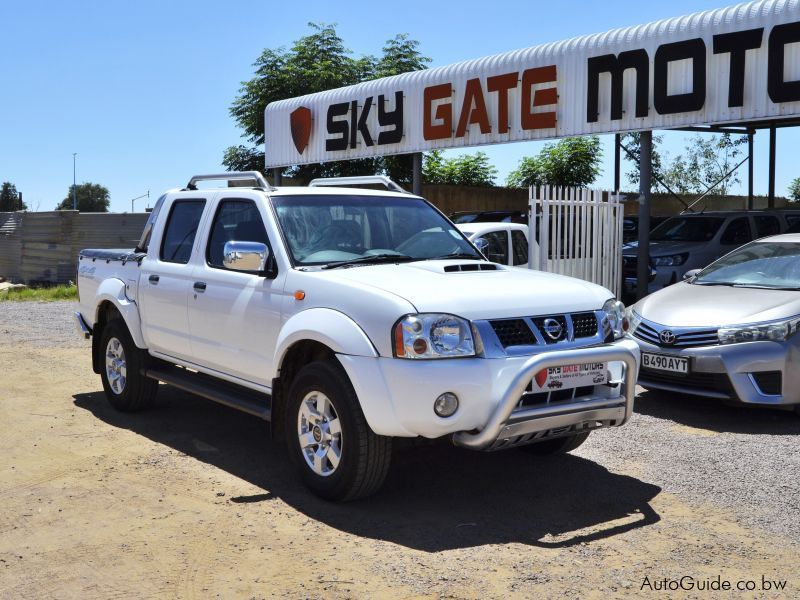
(728, 331)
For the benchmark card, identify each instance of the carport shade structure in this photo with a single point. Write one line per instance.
(729, 69)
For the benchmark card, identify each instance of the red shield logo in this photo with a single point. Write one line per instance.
(541, 377)
(300, 121)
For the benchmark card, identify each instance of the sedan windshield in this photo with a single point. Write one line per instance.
(686, 229)
(771, 265)
(325, 229)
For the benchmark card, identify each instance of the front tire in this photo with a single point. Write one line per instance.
(560, 445)
(329, 441)
(126, 388)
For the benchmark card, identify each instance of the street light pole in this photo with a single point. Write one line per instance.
(137, 197)
(74, 188)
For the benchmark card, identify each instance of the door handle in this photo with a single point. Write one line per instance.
(153, 279)
(199, 286)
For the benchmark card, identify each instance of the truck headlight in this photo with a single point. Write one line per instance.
(672, 260)
(753, 332)
(433, 335)
(615, 317)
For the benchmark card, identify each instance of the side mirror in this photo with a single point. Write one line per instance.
(245, 256)
(481, 244)
(691, 274)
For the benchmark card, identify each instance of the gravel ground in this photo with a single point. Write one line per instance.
(42, 324)
(733, 457)
(190, 500)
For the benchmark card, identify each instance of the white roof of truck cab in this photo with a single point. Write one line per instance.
(478, 229)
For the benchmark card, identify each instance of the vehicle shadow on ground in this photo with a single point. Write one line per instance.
(714, 415)
(436, 497)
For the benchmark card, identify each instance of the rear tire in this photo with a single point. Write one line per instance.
(126, 388)
(560, 445)
(329, 441)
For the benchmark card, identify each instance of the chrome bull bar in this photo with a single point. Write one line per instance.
(543, 418)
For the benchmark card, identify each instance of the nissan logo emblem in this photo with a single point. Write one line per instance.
(667, 337)
(552, 328)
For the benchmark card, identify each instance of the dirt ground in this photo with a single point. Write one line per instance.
(192, 500)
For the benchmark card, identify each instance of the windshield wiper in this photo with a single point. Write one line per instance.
(371, 259)
(765, 287)
(456, 255)
(710, 283)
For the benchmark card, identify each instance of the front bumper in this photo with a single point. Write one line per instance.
(397, 396)
(733, 372)
(83, 329)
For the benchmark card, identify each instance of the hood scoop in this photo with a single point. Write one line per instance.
(477, 266)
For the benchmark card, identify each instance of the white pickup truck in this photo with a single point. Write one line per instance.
(348, 317)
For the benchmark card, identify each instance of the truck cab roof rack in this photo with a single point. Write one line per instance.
(359, 180)
(257, 178)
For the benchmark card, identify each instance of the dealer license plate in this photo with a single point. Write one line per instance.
(570, 376)
(664, 362)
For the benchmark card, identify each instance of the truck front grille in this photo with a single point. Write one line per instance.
(513, 332)
(529, 331)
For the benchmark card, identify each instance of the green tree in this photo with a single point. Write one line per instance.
(465, 169)
(10, 199)
(794, 190)
(632, 141)
(315, 63)
(91, 197)
(705, 163)
(571, 161)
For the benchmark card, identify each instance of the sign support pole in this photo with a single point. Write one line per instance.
(416, 173)
(645, 173)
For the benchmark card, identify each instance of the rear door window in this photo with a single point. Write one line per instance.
(737, 232)
(519, 246)
(767, 225)
(181, 229)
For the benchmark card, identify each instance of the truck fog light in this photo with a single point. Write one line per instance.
(446, 405)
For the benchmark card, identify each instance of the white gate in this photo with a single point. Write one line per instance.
(579, 233)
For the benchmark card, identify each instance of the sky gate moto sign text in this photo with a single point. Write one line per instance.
(728, 65)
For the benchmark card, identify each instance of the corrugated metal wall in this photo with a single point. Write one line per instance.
(43, 246)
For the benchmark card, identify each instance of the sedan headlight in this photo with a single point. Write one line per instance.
(615, 317)
(633, 319)
(673, 260)
(433, 335)
(772, 330)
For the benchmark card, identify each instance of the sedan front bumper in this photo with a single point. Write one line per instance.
(763, 372)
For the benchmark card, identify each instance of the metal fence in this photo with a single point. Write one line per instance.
(579, 234)
(42, 247)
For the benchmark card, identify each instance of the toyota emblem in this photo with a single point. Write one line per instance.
(552, 328)
(667, 337)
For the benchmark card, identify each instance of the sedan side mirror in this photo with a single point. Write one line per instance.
(245, 256)
(691, 274)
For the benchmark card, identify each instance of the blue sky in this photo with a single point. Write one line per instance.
(141, 90)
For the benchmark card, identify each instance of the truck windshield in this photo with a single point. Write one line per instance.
(323, 229)
(686, 229)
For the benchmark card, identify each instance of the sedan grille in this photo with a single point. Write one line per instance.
(709, 382)
(681, 338)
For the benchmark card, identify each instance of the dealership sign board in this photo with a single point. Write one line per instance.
(729, 65)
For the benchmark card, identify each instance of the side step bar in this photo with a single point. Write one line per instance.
(223, 392)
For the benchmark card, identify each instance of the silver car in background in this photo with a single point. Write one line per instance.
(728, 331)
